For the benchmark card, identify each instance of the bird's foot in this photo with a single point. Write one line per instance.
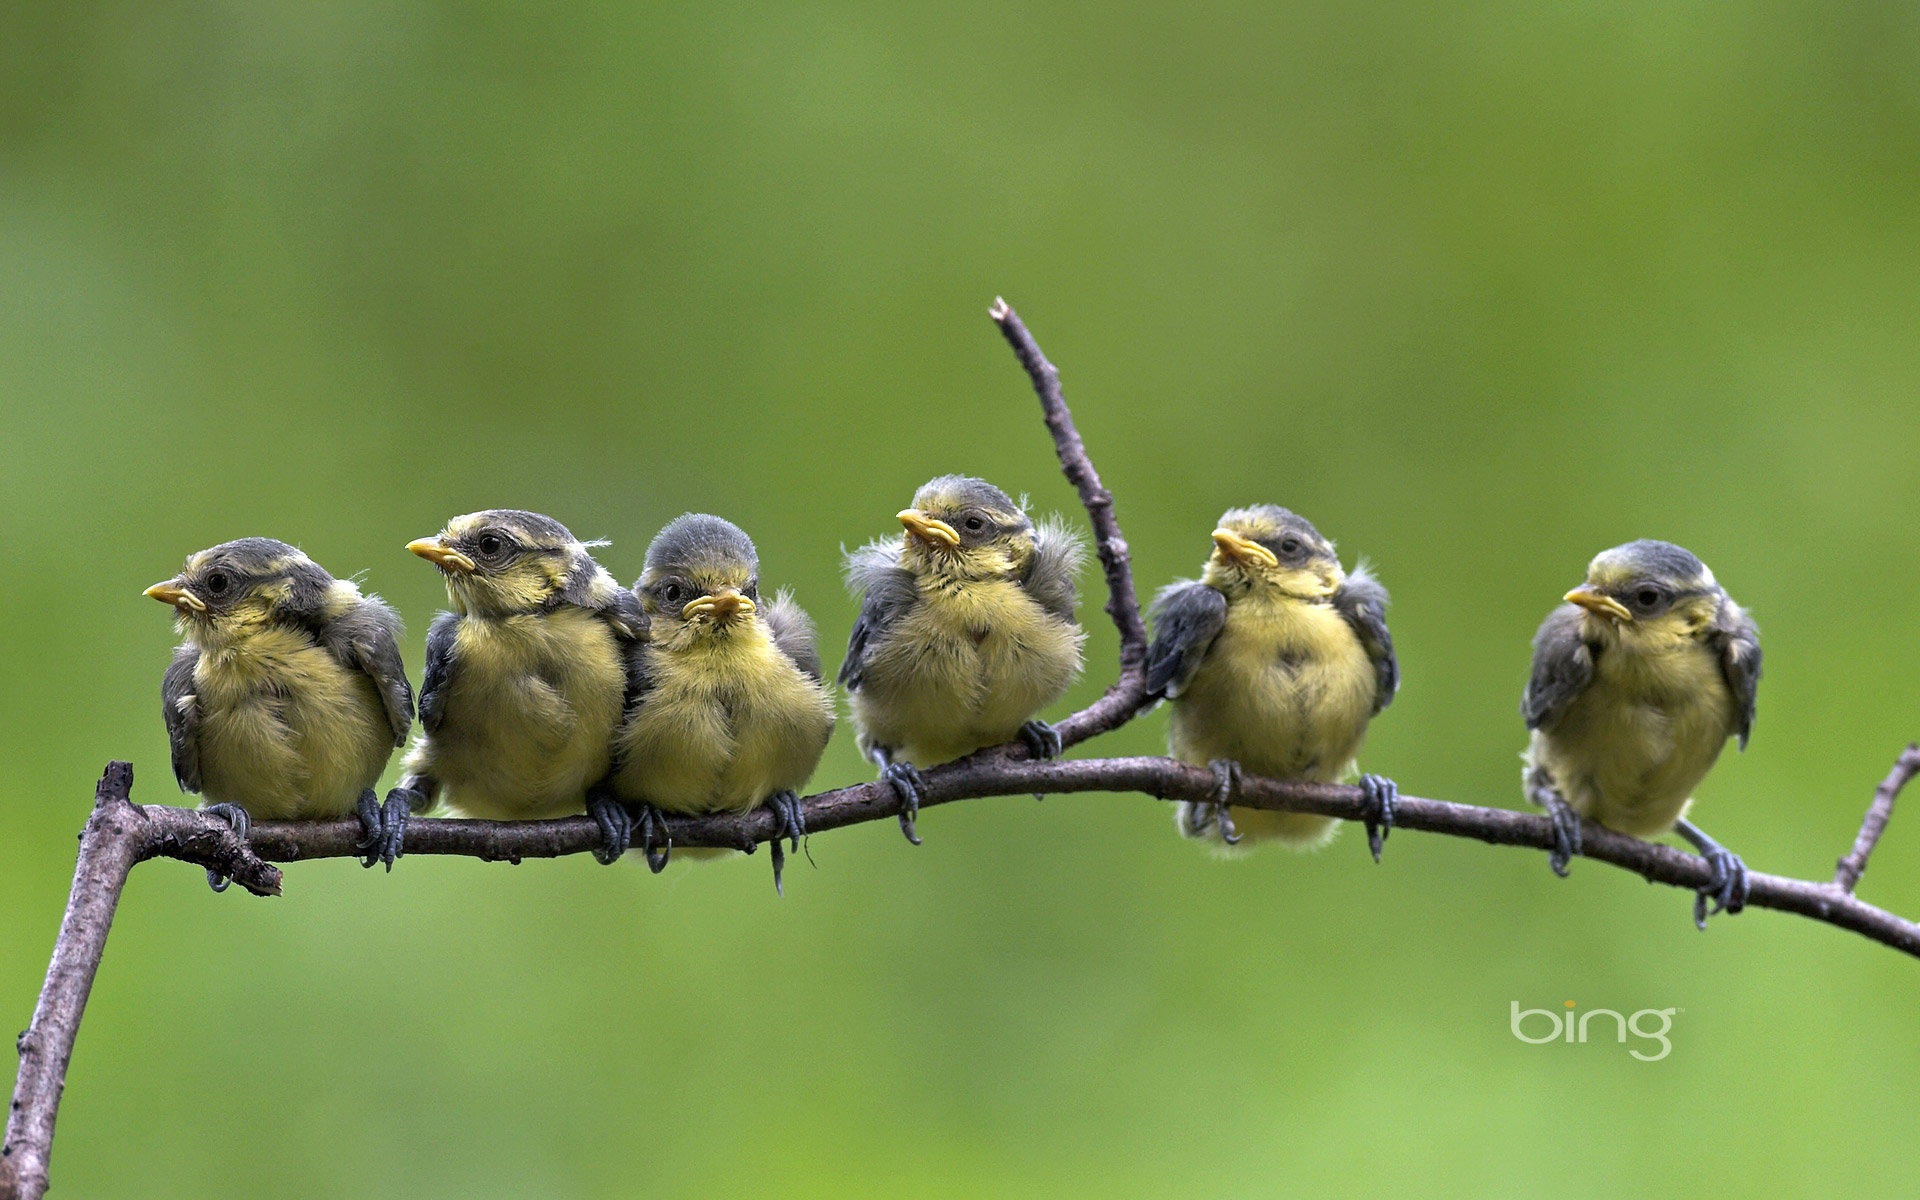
(1728, 888)
(1566, 833)
(907, 784)
(790, 823)
(384, 826)
(1042, 739)
(1381, 794)
(616, 825)
(654, 842)
(237, 818)
(1226, 786)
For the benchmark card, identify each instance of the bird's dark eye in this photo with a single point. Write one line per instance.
(1290, 546)
(670, 593)
(1647, 597)
(490, 543)
(218, 582)
(975, 524)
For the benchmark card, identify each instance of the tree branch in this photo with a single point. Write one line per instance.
(1853, 864)
(120, 834)
(110, 845)
(1124, 698)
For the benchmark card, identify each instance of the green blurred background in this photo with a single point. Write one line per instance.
(1480, 292)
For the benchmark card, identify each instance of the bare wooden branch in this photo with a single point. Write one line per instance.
(112, 842)
(998, 773)
(1853, 864)
(1128, 692)
(120, 834)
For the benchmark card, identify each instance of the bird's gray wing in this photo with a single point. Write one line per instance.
(433, 684)
(1186, 618)
(1737, 639)
(1058, 555)
(1362, 600)
(1562, 667)
(624, 612)
(181, 709)
(887, 594)
(367, 639)
(793, 634)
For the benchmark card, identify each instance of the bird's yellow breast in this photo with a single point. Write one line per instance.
(1629, 750)
(529, 714)
(286, 731)
(1286, 690)
(964, 668)
(726, 723)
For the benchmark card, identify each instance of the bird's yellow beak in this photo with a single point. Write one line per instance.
(1599, 603)
(1243, 550)
(437, 552)
(723, 607)
(928, 529)
(172, 593)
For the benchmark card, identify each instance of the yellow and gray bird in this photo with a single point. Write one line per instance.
(965, 632)
(287, 696)
(526, 678)
(1274, 661)
(1638, 681)
(727, 711)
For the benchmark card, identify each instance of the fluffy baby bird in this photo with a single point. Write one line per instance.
(965, 631)
(1275, 661)
(526, 677)
(727, 711)
(287, 696)
(1638, 681)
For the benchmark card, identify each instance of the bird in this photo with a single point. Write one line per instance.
(287, 694)
(1274, 661)
(966, 631)
(526, 677)
(728, 711)
(1637, 682)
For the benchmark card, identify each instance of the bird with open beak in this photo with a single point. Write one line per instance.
(727, 711)
(965, 632)
(1274, 661)
(1638, 681)
(526, 676)
(287, 694)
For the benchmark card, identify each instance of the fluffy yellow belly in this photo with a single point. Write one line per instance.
(286, 732)
(530, 713)
(964, 670)
(1286, 691)
(722, 732)
(1628, 752)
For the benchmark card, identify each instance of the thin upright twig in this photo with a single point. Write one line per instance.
(1123, 699)
(1853, 864)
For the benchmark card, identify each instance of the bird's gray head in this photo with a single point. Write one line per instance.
(1647, 583)
(1266, 546)
(506, 560)
(967, 528)
(248, 583)
(702, 574)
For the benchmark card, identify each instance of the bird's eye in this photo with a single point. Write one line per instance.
(671, 593)
(1647, 597)
(1290, 546)
(490, 543)
(218, 582)
(975, 524)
